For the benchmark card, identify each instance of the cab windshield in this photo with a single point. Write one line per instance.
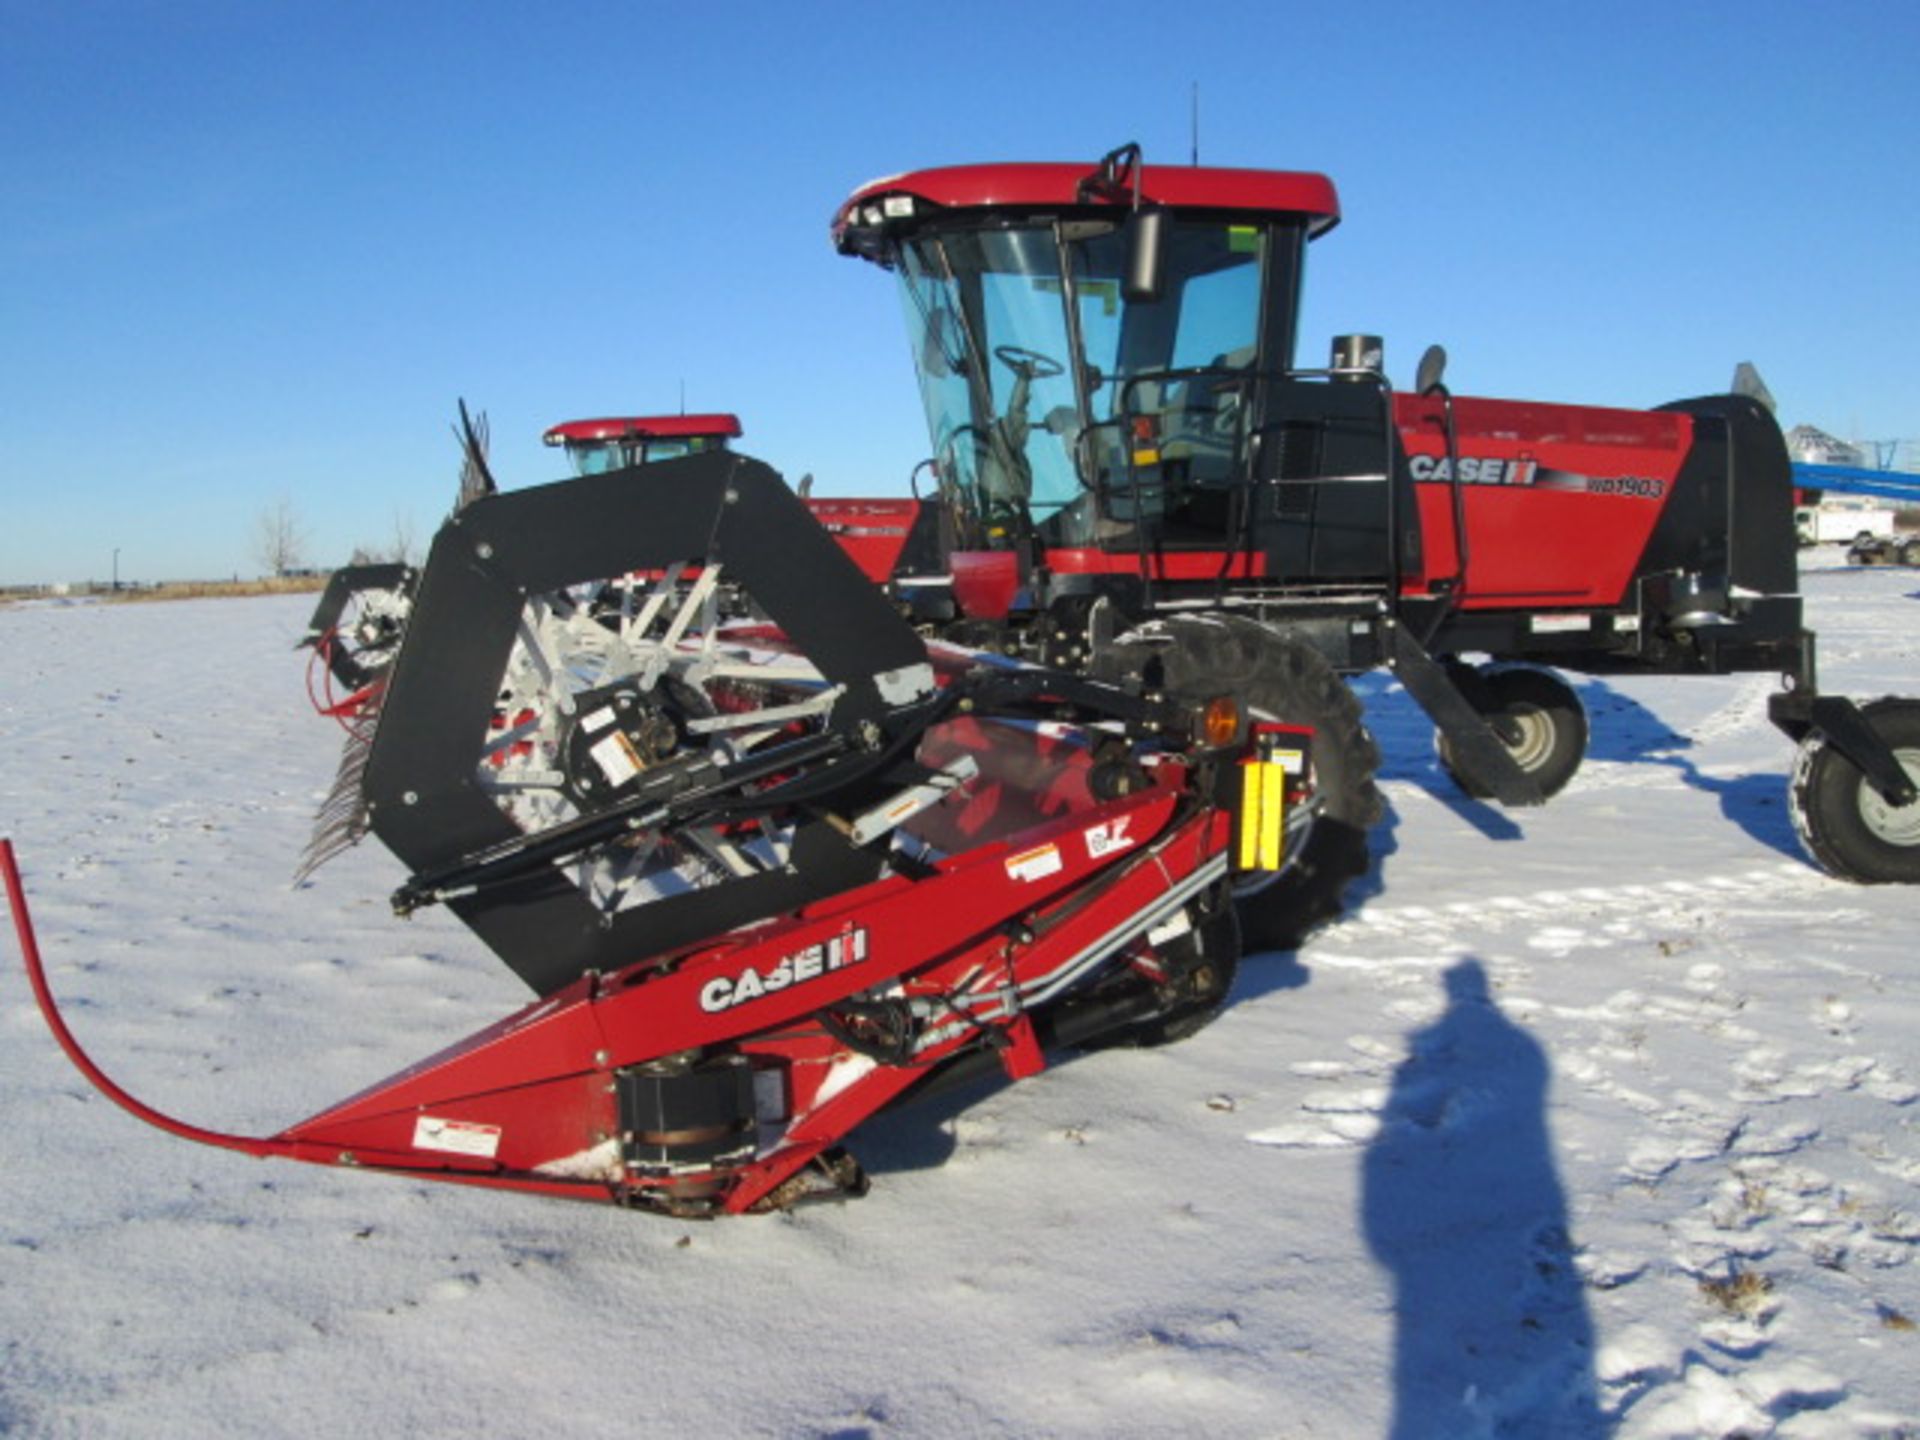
(597, 457)
(1050, 398)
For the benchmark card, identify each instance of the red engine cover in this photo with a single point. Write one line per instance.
(1560, 499)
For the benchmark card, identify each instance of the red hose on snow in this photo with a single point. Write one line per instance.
(37, 977)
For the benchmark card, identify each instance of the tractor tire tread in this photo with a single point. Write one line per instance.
(1823, 799)
(1286, 678)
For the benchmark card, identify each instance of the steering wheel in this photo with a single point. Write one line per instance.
(1030, 363)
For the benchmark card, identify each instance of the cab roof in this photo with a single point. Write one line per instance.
(643, 427)
(1053, 185)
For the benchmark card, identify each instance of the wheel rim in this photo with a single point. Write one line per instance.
(1535, 744)
(1895, 825)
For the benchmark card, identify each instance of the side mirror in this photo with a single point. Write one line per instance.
(1433, 367)
(1144, 236)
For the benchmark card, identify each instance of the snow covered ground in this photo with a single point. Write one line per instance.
(1600, 1118)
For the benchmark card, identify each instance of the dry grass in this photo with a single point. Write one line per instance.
(169, 590)
(205, 589)
(1743, 1293)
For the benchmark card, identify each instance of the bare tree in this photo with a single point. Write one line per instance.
(279, 537)
(399, 550)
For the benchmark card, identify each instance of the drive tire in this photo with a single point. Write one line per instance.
(1553, 730)
(1846, 827)
(1278, 677)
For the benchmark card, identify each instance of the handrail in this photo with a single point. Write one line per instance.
(1244, 378)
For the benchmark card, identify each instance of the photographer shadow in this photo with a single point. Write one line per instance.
(1463, 1205)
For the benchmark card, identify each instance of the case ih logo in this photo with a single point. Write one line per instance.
(1474, 470)
(723, 992)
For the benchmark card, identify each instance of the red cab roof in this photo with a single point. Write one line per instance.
(643, 427)
(1289, 192)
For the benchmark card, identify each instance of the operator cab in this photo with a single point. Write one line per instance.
(1105, 357)
(597, 446)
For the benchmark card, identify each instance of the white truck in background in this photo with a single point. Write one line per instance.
(1829, 524)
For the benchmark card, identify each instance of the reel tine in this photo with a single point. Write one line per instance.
(342, 819)
(476, 480)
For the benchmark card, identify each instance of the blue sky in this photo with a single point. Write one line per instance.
(255, 250)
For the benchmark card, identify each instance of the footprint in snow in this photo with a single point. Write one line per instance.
(1558, 940)
(1894, 1092)
(1377, 1051)
(1320, 1069)
(1781, 1140)
(1608, 1269)
(1330, 1132)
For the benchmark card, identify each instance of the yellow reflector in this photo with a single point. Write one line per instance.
(1273, 814)
(1263, 814)
(1249, 858)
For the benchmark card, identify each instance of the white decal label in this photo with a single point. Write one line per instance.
(1109, 837)
(1035, 864)
(616, 758)
(1558, 624)
(456, 1137)
(599, 720)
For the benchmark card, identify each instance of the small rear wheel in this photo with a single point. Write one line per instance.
(1547, 724)
(1846, 825)
(1200, 966)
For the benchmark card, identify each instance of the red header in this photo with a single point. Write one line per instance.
(643, 427)
(1288, 192)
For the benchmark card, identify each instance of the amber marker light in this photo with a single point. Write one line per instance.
(1220, 724)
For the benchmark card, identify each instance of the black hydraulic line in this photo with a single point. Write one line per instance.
(673, 794)
(1058, 1027)
(694, 794)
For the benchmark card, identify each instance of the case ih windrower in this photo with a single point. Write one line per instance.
(356, 626)
(773, 857)
(1127, 456)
